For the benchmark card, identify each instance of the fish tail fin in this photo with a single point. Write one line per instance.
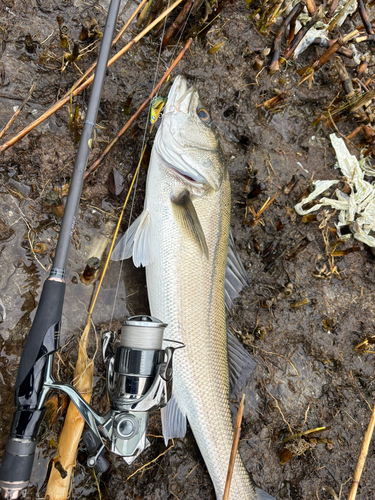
(135, 242)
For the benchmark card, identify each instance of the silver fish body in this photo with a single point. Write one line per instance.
(182, 239)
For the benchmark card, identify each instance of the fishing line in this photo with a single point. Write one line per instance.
(182, 31)
(145, 134)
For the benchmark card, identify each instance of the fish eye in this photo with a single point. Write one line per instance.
(204, 115)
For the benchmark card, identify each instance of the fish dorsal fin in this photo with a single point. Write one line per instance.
(240, 363)
(135, 242)
(187, 216)
(173, 421)
(235, 274)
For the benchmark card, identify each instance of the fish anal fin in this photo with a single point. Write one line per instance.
(240, 364)
(135, 242)
(187, 216)
(235, 274)
(173, 421)
(262, 495)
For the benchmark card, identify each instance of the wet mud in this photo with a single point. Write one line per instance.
(308, 373)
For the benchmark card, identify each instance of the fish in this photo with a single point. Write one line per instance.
(193, 272)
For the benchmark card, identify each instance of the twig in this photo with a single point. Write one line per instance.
(176, 25)
(344, 51)
(233, 453)
(278, 407)
(192, 470)
(58, 105)
(137, 113)
(362, 456)
(274, 66)
(318, 15)
(365, 19)
(266, 205)
(332, 8)
(276, 354)
(311, 7)
(33, 86)
(97, 484)
(332, 49)
(148, 463)
(292, 28)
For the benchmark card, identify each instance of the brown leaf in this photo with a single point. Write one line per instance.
(115, 182)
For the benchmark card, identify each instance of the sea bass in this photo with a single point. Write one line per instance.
(182, 239)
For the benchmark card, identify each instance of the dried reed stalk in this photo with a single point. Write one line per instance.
(362, 456)
(233, 453)
(58, 486)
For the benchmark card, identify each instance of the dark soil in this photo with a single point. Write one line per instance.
(308, 373)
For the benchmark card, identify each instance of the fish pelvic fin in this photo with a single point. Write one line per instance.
(173, 421)
(135, 242)
(187, 216)
(240, 364)
(235, 274)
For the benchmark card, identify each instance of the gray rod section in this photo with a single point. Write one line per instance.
(71, 208)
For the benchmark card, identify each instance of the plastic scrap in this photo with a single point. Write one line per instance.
(321, 29)
(357, 210)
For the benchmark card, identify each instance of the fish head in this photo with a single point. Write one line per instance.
(186, 141)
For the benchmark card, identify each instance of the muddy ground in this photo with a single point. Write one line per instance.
(308, 373)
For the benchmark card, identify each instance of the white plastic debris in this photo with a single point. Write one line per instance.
(320, 29)
(309, 38)
(356, 209)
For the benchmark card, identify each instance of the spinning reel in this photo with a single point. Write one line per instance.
(139, 379)
(139, 376)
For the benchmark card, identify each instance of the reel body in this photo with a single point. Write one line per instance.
(139, 379)
(139, 376)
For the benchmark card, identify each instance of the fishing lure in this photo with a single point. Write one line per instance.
(156, 107)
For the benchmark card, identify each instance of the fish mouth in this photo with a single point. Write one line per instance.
(180, 96)
(191, 177)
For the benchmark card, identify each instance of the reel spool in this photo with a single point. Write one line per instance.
(133, 369)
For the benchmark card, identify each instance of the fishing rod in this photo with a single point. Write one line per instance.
(139, 371)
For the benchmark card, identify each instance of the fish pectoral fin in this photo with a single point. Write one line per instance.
(240, 363)
(173, 421)
(135, 242)
(235, 274)
(124, 248)
(188, 218)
